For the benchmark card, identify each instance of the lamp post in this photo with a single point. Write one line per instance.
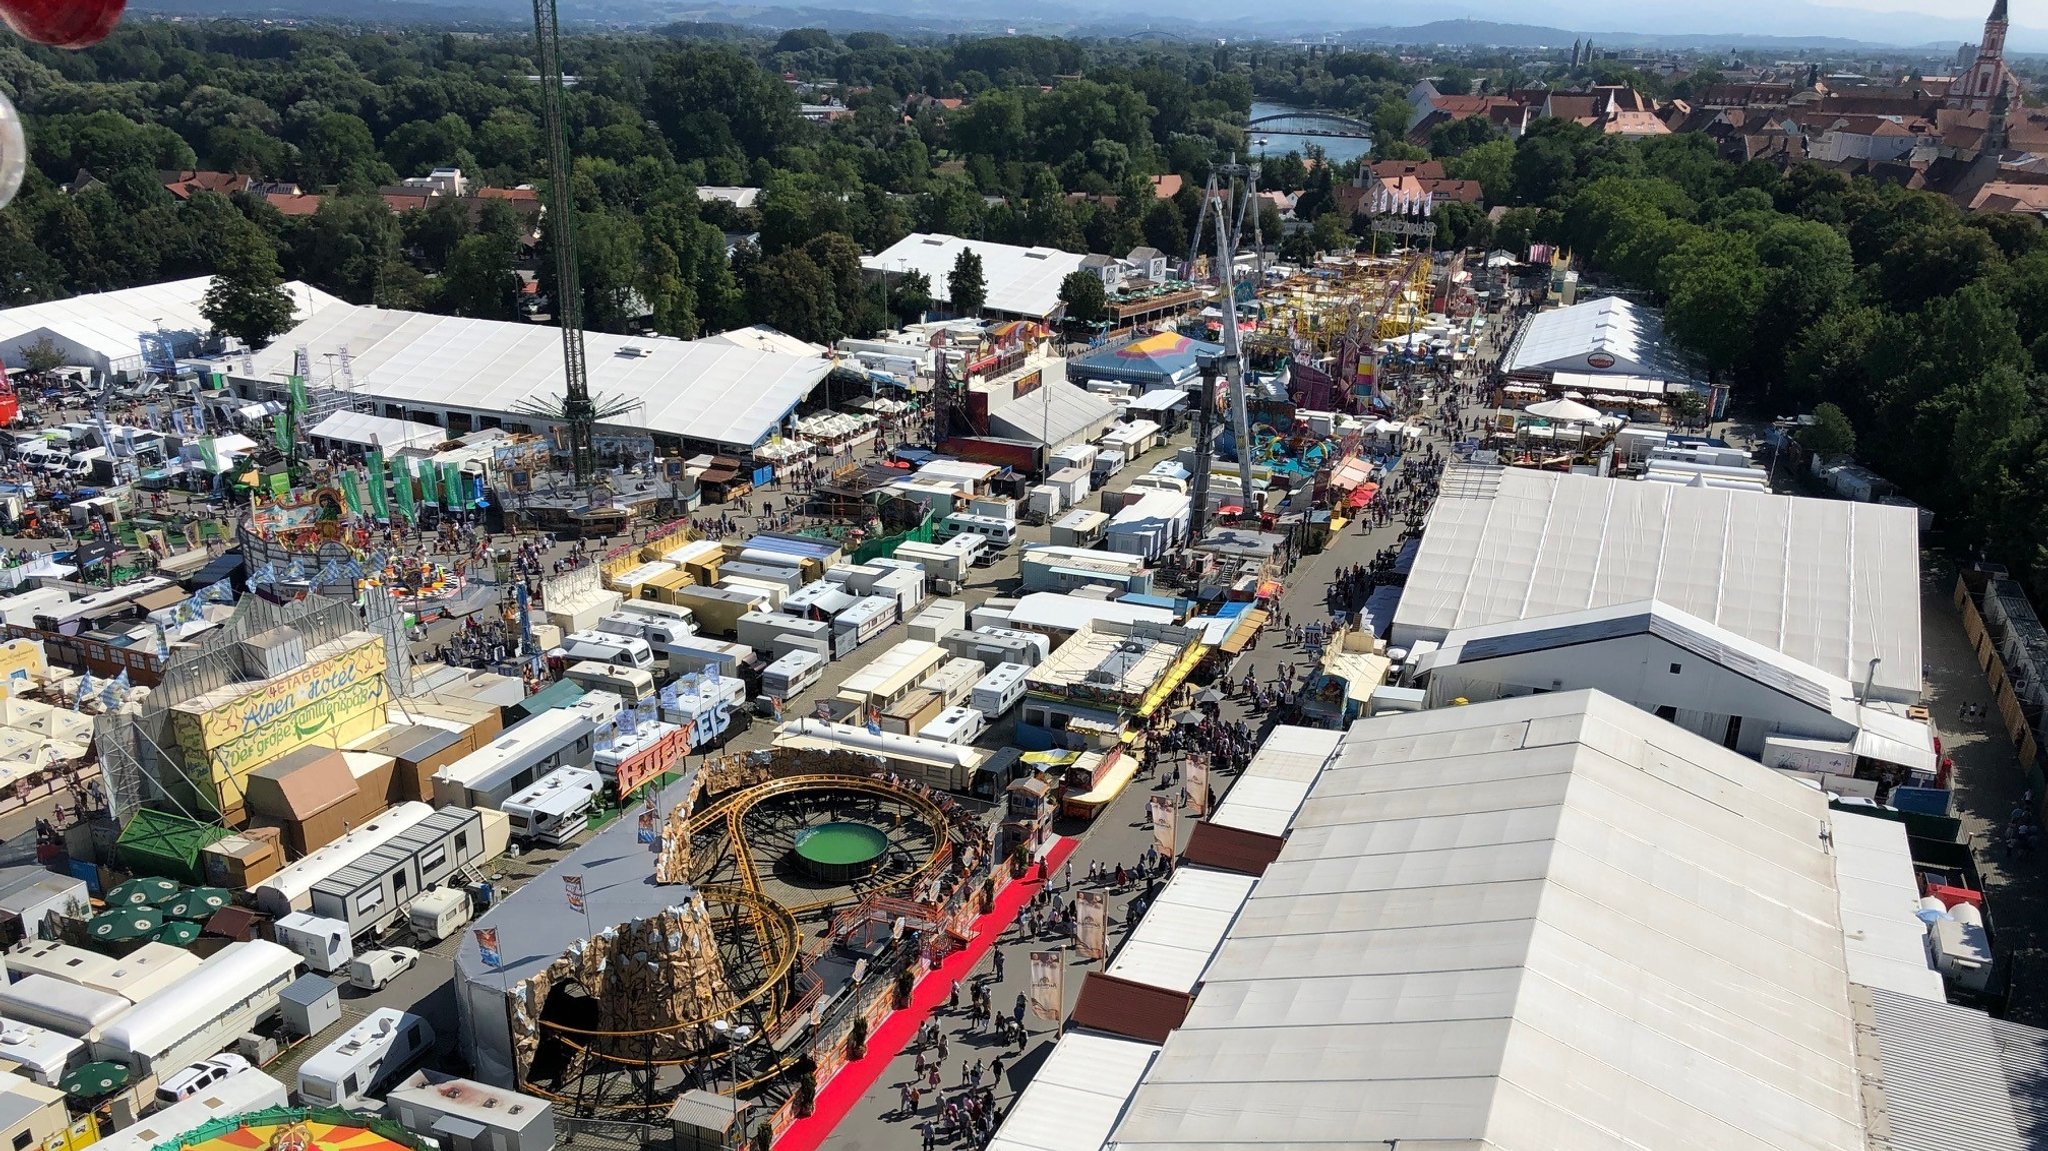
(735, 1036)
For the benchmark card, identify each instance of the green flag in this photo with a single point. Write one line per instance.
(454, 491)
(352, 492)
(373, 474)
(281, 485)
(281, 431)
(298, 385)
(401, 480)
(430, 479)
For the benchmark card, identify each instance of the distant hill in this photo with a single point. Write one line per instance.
(1489, 33)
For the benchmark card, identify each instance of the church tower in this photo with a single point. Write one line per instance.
(1987, 79)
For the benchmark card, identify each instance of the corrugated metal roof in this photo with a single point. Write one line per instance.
(1182, 929)
(1956, 1079)
(1056, 414)
(1076, 1095)
(1829, 583)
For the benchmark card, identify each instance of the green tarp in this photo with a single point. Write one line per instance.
(159, 843)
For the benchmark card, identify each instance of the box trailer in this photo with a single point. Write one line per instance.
(39, 1053)
(733, 660)
(788, 579)
(762, 630)
(955, 725)
(291, 889)
(628, 583)
(938, 618)
(201, 1014)
(904, 582)
(556, 808)
(910, 713)
(322, 942)
(1072, 484)
(717, 610)
(371, 895)
(770, 593)
(943, 565)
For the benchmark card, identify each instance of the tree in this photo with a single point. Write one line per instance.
(1086, 300)
(479, 281)
(1687, 406)
(790, 291)
(966, 288)
(41, 357)
(910, 297)
(1491, 163)
(1830, 434)
(247, 300)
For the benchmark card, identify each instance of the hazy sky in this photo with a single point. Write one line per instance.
(1890, 21)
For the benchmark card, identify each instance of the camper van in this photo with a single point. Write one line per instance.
(1000, 690)
(555, 809)
(789, 677)
(605, 647)
(630, 684)
(439, 913)
(371, 895)
(323, 943)
(229, 993)
(353, 1071)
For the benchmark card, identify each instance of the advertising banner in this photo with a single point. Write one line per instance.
(1164, 823)
(1198, 784)
(1091, 927)
(1047, 979)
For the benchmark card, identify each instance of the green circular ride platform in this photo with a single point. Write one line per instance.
(842, 851)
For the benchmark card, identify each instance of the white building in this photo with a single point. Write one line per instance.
(1832, 584)
(1554, 923)
(1705, 679)
(1023, 283)
(105, 331)
(461, 374)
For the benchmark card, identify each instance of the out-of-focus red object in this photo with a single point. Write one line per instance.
(63, 23)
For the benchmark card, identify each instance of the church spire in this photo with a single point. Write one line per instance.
(1987, 78)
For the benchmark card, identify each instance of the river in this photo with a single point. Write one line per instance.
(1337, 148)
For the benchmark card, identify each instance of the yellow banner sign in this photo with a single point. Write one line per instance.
(287, 695)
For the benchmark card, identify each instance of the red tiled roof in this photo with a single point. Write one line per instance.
(1166, 187)
(1420, 169)
(182, 184)
(303, 204)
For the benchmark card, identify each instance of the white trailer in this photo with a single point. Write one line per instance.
(199, 1015)
(789, 677)
(1000, 690)
(322, 942)
(352, 1072)
(522, 753)
(556, 808)
(291, 888)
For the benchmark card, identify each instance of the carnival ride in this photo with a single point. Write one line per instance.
(856, 852)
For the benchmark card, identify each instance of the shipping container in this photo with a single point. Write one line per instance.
(718, 609)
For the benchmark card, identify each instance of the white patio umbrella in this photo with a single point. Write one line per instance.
(1567, 410)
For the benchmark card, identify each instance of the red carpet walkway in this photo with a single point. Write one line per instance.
(837, 1098)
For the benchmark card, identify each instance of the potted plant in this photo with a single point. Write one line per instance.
(904, 984)
(987, 900)
(1020, 859)
(857, 1039)
(806, 1095)
(764, 1139)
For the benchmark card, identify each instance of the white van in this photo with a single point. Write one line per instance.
(999, 690)
(604, 647)
(322, 942)
(955, 725)
(353, 1071)
(435, 915)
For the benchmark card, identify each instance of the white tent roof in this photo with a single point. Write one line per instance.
(699, 389)
(1604, 336)
(110, 322)
(1553, 923)
(767, 339)
(1021, 281)
(1269, 792)
(1056, 414)
(1057, 611)
(1182, 929)
(1828, 582)
(366, 430)
(1563, 410)
(1076, 1095)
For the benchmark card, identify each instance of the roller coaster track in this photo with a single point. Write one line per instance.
(731, 812)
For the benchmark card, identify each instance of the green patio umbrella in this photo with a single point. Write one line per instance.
(177, 933)
(127, 923)
(199, 903)
(94, 1080)
(147, 890)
